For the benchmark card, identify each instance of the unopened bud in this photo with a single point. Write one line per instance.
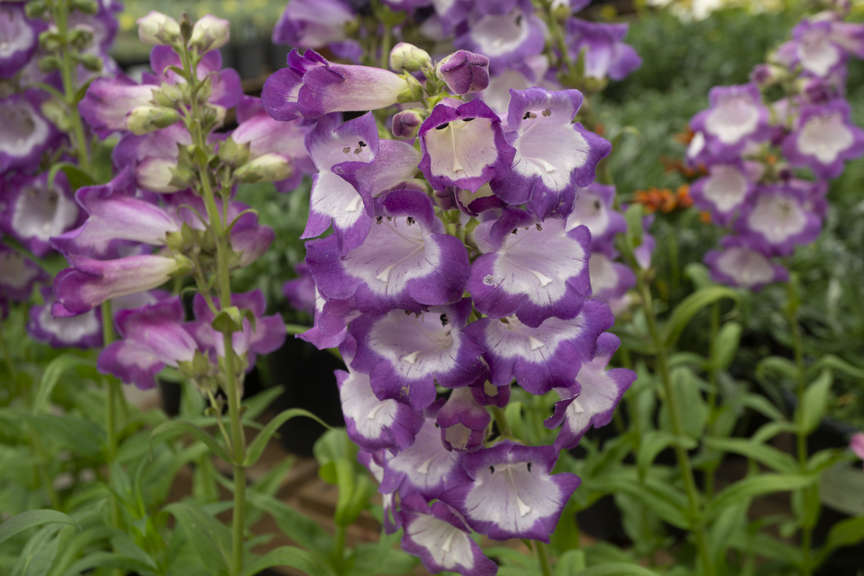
(49, 40)
(464, 72)
(266, 168)
(406, 123)
(80, 38)
(91, 62)
(36, 9)
(209, 33)
(413, 91)
(84, 6)
(146, 119)
(156, 28)
(232, 153)
(168, 94)
(405, 57)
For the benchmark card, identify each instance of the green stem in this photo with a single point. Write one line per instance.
(339, 545)
(112, 391)
(685, 467)
(68, 73)
(386, 40)
(798, 345)
(711, 468)
(557, 35)
(543, 558)
(232, 386)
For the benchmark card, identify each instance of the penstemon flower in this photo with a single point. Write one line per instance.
(452, 274)
(768, 160)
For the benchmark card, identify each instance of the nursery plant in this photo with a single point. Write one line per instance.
(515, 360)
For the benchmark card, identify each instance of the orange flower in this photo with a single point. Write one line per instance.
(705, 217)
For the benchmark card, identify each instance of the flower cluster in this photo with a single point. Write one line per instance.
(446, 263)
(158, 218)
(513, 35)
(771, 146)
(36, 203)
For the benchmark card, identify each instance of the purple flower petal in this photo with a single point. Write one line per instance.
(593, 208)
(442, 541)
(736, 116)
(344, 88)
(543, 357)
(17, 275)
(26, 133)
(426, 466)
(35, 212)
(738, 264)
(463, 146)
(20, 38)
(406, 354)
(538, 270)
(723, 192)
(776, 219)
(463, 421)
(372, 423)
(405, 261)
(109, 101)
(513, 493)
(824, 139)
(606, 55)
(553, 154)
(506, 38)
(592, 401)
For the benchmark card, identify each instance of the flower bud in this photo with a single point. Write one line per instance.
(233, 153)
(413, 91)
(209, 33)
(156, 28)
(405, 57)
(145, 119)
(406, 123)
(84, 6)
(91, 62)
(266, 168)
(464, 72)
(169, 94)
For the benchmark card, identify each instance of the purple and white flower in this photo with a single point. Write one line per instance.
(723, 191)
(153, 337)
(90, 282)
(372, 423)
(464, 72)
(407, 353)
(36, 211)
(776, 219)
(590, 400)
(18, 275)
(318, 24)
(463, 421)
(592, 208)
(824, 139)
(610, 279)
(553, 154)
(543, 357)
(426, 466)
(441, 539)
(533, 270)
(737, 264)
(505, 35)
(153, 157)
(83, 331)
(26, 133)
(109, 101)
(512, 492)
(606, 55)
(463, 146)
(263, 336)
(20, 38)
(405, 261)
(735, 117)
(282, 88)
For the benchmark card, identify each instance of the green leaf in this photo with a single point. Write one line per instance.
(76, 177)
(617, 569)
(662, 499)
(633, 216)
(256, 448)
(83, 437)
(209, 538)
(726, 345)
(772, 429)
(845, 533)
(296, 526)
(685, 386)
(767, 455)
(290, 556)
(55, 369)
(571, 563)
(381, 559)
(727, 523)
(654, 442)
(753, 486)
(174, 428)
(108, 561)
(763, 406)
(38, 554)
(773, 366)
(815, 402)
(834, 363)
(686, 310)
(31, 519)
(255, 406)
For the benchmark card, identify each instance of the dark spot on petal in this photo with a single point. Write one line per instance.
(515, 230)
(442, 126)
(597, 205)
(379, 219)
(444, 319)
(491, 469)
(518, 20)
(526, 116)
(547, 112)
(362, 144)
(411, 220)
(529, 466)
(467, 119)
(539, 227)
(504, 321)
(346, 150)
